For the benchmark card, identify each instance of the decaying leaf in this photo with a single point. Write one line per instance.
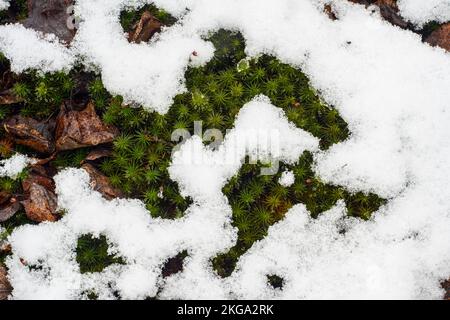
(101, 183)
(9, 97)
(389, 11)
(37, 178)
(440, 37)
(78, 129)
(31, 133)
(41, 202)
(51, 16)
(9, 209)
(144, 30)
(97, 154)
(5, 286)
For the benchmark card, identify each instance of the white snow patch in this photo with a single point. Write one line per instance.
(420, 12)
(29, 49)
(13, 166)
(287, 179)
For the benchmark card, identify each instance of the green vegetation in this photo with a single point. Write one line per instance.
(93, 255)
(216, 93)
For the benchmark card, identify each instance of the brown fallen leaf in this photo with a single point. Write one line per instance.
(8, 210)
(78, 129)
(40, 179)
(51, 16)
(101, 183)
(9, 97)
(389, 11)
(144, 30)
(31, 133)
(440, 37)
(41, 204)
(98, 154)
(5, 286)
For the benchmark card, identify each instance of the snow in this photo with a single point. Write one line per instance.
(420, 12)
(389, 87)
(4, 4)
(13, 166)
(29, 49)
(287, 179)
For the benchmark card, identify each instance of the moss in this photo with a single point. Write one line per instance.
(92, 254)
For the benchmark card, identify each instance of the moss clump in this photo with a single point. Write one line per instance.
(92, 254)
(259, 201)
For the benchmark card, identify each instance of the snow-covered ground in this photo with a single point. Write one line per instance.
(392, 90)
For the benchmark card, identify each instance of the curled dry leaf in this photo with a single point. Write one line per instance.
(144, 30)
(101, 183)
(440, 37)
(5, 286)
(41, 202)
(51, 16)
(9, 209)
(31, 133)
(78, 129)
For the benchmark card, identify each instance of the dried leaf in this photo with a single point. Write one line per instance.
(101, 183)
(41, 204)
(78, 129)
(144, 30)
(51, 16)
(98, 154)
(389, 11)
(5, 286)
(42, 180)
(440, 37)
(9, 210)
(9, 97)
(31, 133)
(4, 197)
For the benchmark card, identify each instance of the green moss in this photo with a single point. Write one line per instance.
(92, 254)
